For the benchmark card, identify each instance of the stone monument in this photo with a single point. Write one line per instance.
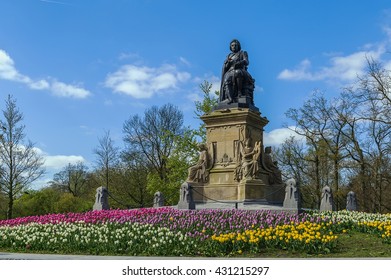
(158, 200)
(233, 165)
(186, 200)
(326, 202)
(101, 199)
(291, 201)
(351, 202)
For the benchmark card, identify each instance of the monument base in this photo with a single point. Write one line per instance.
(275, 194)
(250, 191)
(215, 193)
(242, 103)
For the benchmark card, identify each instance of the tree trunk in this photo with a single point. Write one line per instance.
(336, 182)
(10, 206)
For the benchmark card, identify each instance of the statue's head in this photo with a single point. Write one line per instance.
(291, 182)
(248, 142)
(202, 147)
(268, 149)
(234, 46)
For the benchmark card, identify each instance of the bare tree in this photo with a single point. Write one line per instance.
(107, 157)
(291, 157)
(369, 132)
(310, 123)
(154, 135)
(349, 140)
(131, 181)
(318, 121)
(20, 164)
(73, 179)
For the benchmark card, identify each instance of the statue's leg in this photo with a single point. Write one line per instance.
(229, 88)
(226, 88)
(227, 91)
(239, 82)
(239, 79)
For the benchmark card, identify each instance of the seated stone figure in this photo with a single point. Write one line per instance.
(275, 177)
(247, 165)
(199, 172)
(236, 81)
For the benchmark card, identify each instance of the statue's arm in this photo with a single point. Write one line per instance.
(243, 61)
(245, 58)
(227, 64)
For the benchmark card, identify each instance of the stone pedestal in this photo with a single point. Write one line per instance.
(233, 161)
(275, 194)
(252, 191)
(227, 130)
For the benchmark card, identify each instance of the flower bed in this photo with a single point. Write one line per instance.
(167, 231)
(377, 224)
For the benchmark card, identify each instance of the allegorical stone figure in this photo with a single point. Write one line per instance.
(186, 197)
(351, 202)
(199, 171)
(326, 202)
(291, 200)
(247, 165)
(158, 199)
(101, 199)
(236, 81)
(271, 166)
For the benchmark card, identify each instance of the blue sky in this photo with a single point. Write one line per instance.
(80, 67)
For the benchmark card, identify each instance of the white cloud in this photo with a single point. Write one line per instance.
(300, 73)
(184, 61)
(9, 72)
(64, 90)
(342, 68)
(144, 82)
(52, 165)
(60, 161)
(278, 136)
(57, 162)
(39, 85)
